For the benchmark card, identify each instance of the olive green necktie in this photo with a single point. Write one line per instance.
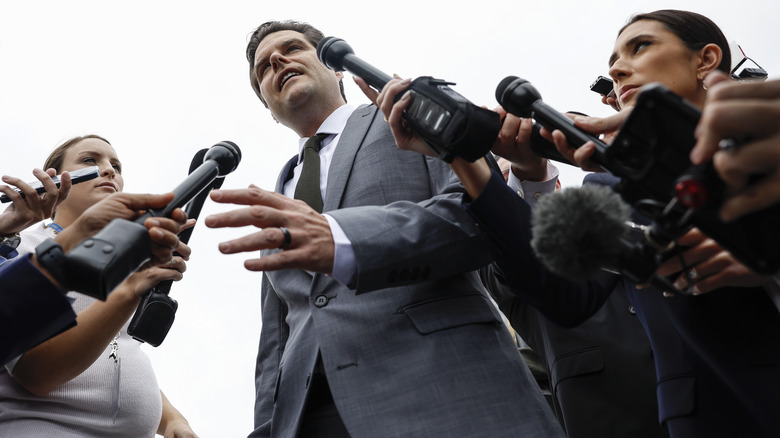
(308, 188)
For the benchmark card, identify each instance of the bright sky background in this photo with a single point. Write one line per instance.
(163, 79)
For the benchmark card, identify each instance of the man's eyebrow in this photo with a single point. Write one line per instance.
(284, 44)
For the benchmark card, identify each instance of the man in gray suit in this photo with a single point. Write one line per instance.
(374, 322)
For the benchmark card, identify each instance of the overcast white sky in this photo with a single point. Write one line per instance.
(163, 79)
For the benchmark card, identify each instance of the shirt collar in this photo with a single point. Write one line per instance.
(333, 125)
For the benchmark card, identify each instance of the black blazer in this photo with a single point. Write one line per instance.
(717, 356)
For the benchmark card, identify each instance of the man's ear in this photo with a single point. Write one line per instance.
(710, 58)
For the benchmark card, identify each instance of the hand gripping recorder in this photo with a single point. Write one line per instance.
(98, 264)
(650, 156)
(155, 313)
(450, 125)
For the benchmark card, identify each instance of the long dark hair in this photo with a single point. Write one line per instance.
(695, 31)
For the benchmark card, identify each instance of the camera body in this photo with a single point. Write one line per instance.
(651, 156)
(153, 318)
(448, 122)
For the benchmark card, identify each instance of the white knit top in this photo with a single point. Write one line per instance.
(109, 399)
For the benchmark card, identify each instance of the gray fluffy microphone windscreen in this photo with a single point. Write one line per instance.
(579, 231)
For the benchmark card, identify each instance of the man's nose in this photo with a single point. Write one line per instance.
(277, 61)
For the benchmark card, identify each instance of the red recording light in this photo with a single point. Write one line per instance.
(692, 193)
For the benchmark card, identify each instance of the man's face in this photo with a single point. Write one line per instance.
(292, 79)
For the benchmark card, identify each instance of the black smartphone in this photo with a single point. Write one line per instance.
(604, 86)
(76, 177)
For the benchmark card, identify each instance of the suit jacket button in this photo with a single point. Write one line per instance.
(321, 301)
(631, 310)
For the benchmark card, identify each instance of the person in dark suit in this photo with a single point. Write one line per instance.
(33, 306)
(374, 321)
(601, 373)
(717, 355)
(601, 368)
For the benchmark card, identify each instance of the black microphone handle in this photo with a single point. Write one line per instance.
(337, 55)
(372, 75)
(198, 180)
(545, 148)
(196, 205)
(552, 119)
(193, 211)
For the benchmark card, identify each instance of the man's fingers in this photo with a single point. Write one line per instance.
(268, 238)
(288, 259)
(250, 196)
(257, 215)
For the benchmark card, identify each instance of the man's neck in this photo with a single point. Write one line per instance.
(307, 124)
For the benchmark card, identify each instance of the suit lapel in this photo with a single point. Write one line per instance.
(286, 174)
(344, 157)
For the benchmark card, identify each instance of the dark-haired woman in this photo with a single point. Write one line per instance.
(717, 354)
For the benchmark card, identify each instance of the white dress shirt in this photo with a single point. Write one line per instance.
(344, 263)
(532, 190)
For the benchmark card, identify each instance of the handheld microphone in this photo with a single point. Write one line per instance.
(337, 55)
(98, 264)
(579, 232)
(219, 160)
(544, 148)
(450, 124)
(156, 312)
(519, 97)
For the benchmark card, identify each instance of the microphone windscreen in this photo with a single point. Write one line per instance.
(502, 86)
(579, 231)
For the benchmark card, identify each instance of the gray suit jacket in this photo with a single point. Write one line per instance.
(413, 347)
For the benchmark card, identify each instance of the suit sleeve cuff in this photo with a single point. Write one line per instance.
(532, 190)
(344, 263)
